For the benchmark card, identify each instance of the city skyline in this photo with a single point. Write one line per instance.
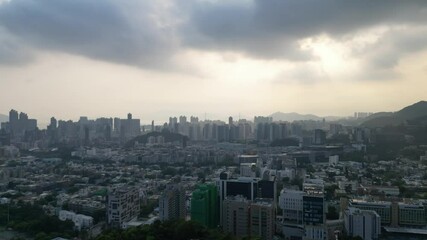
(221, 58)
(281, 117)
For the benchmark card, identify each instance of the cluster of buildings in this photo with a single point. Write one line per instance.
(23, 132)
(304, 211)
(308, 190)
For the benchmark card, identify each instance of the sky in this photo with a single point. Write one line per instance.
(210, 58)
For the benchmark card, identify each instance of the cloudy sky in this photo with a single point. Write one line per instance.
(155, 58)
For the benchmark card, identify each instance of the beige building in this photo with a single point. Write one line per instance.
(246, 218)
(236, 216)
(262, 219)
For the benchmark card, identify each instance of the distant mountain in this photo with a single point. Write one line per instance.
(414, 111)
(3, 118)
(293, 116)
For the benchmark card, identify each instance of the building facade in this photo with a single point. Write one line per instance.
(122, 206)
(172, 203)
(205, 206)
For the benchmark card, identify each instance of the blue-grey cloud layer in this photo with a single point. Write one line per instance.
(127, 32)
(118, 31)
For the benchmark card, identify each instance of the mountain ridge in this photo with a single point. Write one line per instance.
(416, 110)
(294, 116)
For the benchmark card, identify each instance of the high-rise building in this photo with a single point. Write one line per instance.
(18, 125)
(122, 206)
(262, 218)
(129, 127)
(13, 116)
(319, 137)
(172, 203)
(205, 206)
(291, 203)
(249, 188)
(363, 223)
(236, 216)
(314, 210)
(243, 217)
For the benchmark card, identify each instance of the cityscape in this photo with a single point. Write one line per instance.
(213, 120)
(260, 179)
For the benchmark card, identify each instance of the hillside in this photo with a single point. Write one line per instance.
(414, 111)
(168, 136)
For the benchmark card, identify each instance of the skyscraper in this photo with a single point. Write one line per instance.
(172, 203)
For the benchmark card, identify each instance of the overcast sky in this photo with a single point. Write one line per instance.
(71, 58)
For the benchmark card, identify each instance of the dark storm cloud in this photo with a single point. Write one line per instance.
(272, 28)
(144, 34)
(117, 31)
(12, 52)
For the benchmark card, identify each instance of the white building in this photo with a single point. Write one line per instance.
(248, 169)
(291, 203)
(363, 223)
(80, 221)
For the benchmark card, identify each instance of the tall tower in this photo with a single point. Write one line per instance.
(53, 123)
(172, 203)
(13, 116)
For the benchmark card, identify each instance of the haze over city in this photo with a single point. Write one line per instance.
(213, 119)
(224, 58)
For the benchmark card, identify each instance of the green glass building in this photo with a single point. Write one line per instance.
(204, 205)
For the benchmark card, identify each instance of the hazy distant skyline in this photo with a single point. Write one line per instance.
(70, 58)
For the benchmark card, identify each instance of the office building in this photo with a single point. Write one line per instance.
(314, 209)
(319, 137)
(236, 216)
(363, 223)
(246, 187)
(243, 217)
(395, 214)
(205, 206)
(291, 203)
(383, 209)
(129, 127)
(262, 218)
